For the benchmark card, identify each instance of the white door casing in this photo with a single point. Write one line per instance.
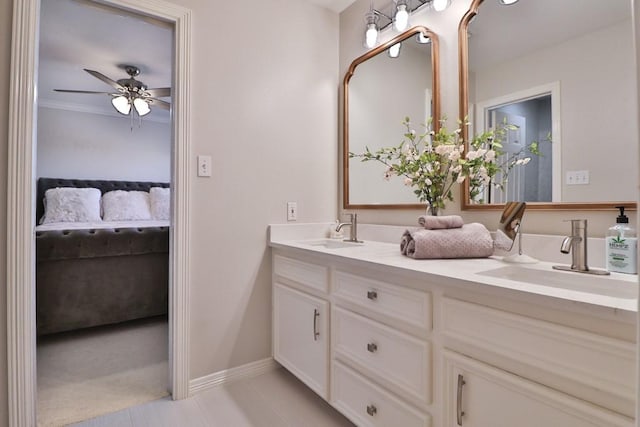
(21, 331)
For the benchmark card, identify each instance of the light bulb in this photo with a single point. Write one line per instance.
(371, 36)
(121, 104)
(401, 19)
(394, 51)
(142, 106)
(422, 39)
(440, 5)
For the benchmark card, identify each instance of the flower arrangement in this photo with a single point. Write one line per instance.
(432, 162)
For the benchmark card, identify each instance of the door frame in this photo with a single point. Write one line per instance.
(553, 89)
(21, 324)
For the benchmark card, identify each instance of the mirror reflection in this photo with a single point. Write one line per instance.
(391, 82)
(562, 69)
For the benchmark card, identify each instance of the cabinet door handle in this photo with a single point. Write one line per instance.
(372, 295)
(371, 410)
(316, 314)
(372, 347)
(459, 411)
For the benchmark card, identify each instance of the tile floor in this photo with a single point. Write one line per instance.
(274, 399)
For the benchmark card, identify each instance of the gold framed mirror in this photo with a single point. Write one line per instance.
(583, 101)
(379, 91)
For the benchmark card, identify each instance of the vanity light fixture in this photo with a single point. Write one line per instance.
(507, 2)
(401, 17)
(422, 39)
(394, 51)
(371, 34)
(440, 5)
(397, 15)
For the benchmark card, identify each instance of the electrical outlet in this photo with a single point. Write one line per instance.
(578, 177)
(204, 166)
(292, 211)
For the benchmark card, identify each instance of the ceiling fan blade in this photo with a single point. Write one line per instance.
(159, 92)
(105, 79)
(82, 91)
(159, 103)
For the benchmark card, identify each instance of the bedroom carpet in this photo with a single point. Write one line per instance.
(84, 374)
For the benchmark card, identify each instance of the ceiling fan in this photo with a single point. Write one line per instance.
(129, 93)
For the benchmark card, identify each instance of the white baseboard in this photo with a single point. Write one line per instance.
(252, 369)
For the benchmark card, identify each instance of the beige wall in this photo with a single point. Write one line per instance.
(5, 64)
(265, 107)
(445, 25)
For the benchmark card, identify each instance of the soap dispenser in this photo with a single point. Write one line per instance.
(622, 246)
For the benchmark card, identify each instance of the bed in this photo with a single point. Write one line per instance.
(99, 272)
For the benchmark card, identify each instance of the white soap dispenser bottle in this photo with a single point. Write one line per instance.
(622, 246)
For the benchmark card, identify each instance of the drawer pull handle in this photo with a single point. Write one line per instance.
(316, 314)
(372, 410)
(372, 295)
(372, 347)
(459, 411)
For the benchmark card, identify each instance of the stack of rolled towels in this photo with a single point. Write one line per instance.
(446, 237)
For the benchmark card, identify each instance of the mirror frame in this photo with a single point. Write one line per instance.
(435, 84)
(463, 67)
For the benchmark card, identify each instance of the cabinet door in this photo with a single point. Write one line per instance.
(479, 395)
(300, 336)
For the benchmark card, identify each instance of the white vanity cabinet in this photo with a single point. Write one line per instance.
(575, 365)
(480, 395)
(301, 321)
(406, 348)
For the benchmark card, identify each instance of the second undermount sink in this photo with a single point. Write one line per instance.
(601, 285)
(333, 243)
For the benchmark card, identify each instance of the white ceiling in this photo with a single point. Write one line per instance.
(78, 34)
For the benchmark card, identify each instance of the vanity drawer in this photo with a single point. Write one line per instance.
(307, 274)
(366, 404)
(397, 360)
(406, 305)
(595, 368)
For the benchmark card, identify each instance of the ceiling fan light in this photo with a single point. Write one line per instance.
(121, 104)
(507, 2)
(142, 106)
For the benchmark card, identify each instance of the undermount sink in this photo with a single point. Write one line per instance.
(333, 243)
(601, 285)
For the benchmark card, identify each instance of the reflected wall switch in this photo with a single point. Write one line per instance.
(204, 166)
(578, 177)
(292, 211)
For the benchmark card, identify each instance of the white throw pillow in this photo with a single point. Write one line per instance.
(122, 205)
(159, 199)
(67, 204)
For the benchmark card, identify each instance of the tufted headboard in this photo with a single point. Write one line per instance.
(103, 185)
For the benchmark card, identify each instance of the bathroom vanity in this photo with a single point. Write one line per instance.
(389, 340)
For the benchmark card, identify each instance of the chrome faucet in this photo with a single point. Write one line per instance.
(353, 228)
(577, 245)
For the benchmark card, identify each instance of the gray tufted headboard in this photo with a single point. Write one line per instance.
(103, 185)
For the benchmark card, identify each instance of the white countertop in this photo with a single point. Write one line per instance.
(617, 291)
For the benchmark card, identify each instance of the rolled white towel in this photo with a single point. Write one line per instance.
(431, 222)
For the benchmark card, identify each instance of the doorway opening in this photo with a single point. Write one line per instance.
(21, 189)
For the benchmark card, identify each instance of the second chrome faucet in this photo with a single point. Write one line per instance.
(353, 228)
(576, 244)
